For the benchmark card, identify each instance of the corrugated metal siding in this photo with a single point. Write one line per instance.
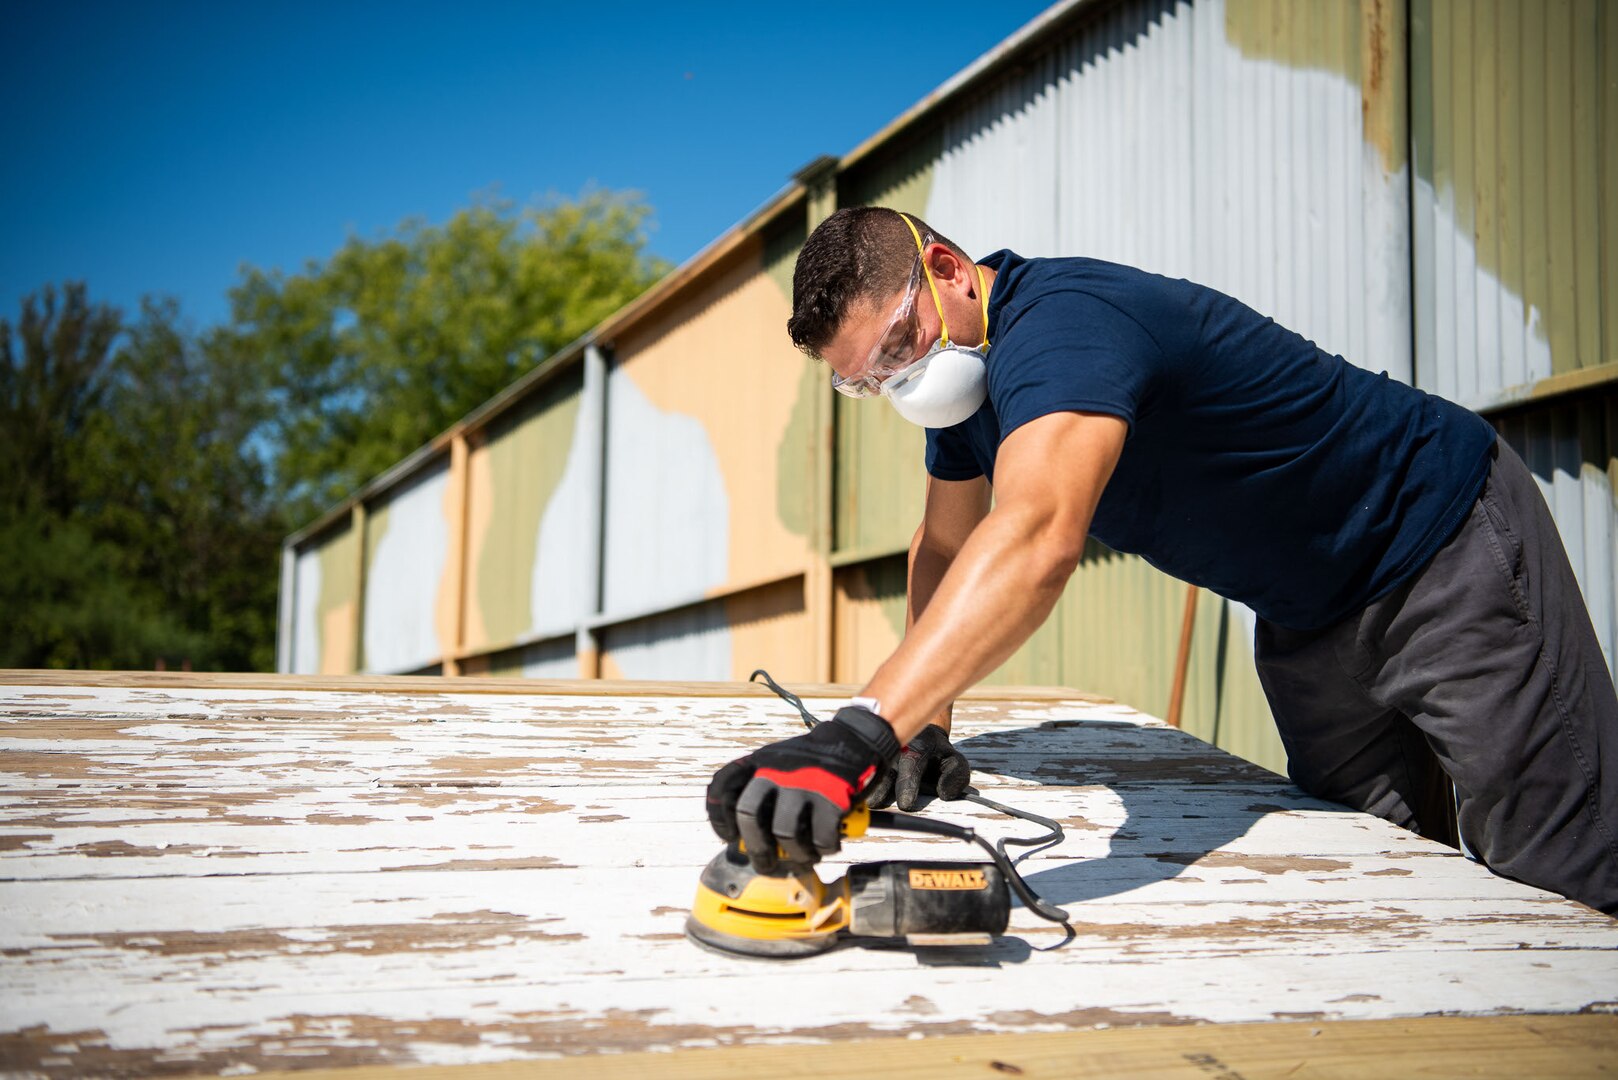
(710, 436)
(1251, 145)
(693, 643)
(1258, 146)
(1515, 140)
(879, 477)
(327, 584)
(723, 639)
(527, 491)
(1572, 449)
(544, 660)
(868, 616)
(407, 543)
(1227, 142)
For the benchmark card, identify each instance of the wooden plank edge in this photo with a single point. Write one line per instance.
(1479, 1046)
(438, 684)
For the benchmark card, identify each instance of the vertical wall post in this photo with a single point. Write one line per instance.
(1386, 187)
(452, 627)
(357, 524)
(287, 609)
(819, 179)
(593, 443)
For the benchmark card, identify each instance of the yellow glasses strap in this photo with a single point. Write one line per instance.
(983, 292)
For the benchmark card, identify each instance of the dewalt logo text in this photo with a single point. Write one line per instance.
(959, 880)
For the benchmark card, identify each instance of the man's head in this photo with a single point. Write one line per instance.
(856, 271)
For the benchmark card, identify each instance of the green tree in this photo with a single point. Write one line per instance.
(67, 599)
(392, 339)
(134, 508)
(176, 479)
(53, 371)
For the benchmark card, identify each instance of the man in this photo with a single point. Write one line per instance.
(1420, 631)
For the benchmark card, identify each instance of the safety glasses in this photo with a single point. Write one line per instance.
(897, 347)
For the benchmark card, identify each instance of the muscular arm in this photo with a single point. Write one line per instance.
(954, 508)
(1009, 571)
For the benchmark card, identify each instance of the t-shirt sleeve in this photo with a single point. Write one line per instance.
(949, 456)
(1071, 351)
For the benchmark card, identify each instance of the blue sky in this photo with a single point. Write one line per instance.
(154, 148)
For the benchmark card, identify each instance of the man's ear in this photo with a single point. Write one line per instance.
(943, 262)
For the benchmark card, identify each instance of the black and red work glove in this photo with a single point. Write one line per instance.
(928, 766)
(795, 792)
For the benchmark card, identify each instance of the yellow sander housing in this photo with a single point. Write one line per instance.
(790, 912)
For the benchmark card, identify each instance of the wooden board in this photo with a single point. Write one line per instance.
(1507, 1047)
(224, 879)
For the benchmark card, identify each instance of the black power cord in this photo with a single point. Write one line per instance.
(997, 851)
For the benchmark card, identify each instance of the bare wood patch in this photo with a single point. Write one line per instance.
(20, 841)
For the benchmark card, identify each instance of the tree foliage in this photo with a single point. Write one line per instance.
(64, 587)
(392, 339)
(148, 473)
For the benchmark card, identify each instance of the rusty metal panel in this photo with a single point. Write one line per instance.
(1513, 148)
(710, 436)
(529, 488)
(1571, 447)
(406, 612)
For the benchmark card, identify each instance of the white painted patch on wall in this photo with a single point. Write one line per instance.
(401, 584)
(667, 511)
(306, 624)
(559, 594)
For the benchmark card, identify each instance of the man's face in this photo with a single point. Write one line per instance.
(878, 338)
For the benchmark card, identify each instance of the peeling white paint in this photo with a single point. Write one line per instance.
(465, 878)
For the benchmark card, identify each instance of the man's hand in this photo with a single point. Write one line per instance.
(795, 792)
(929, 765)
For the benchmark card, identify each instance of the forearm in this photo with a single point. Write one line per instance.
(927, 566)
(993, 595)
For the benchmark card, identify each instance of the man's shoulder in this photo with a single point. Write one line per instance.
(1080, 278)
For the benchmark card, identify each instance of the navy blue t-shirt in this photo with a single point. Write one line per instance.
(1257, 465)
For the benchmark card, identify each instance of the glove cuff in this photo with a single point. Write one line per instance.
(870, 728)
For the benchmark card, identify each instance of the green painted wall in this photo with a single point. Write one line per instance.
(528, 451)
(377, 522)
(878, 476)
(339, 587)
(794, 457)
(1514, 122)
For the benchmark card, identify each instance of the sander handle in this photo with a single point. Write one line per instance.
(888, 819)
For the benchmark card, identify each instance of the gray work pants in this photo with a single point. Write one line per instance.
(1482, 670)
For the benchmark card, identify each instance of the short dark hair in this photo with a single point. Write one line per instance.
(860, 252)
